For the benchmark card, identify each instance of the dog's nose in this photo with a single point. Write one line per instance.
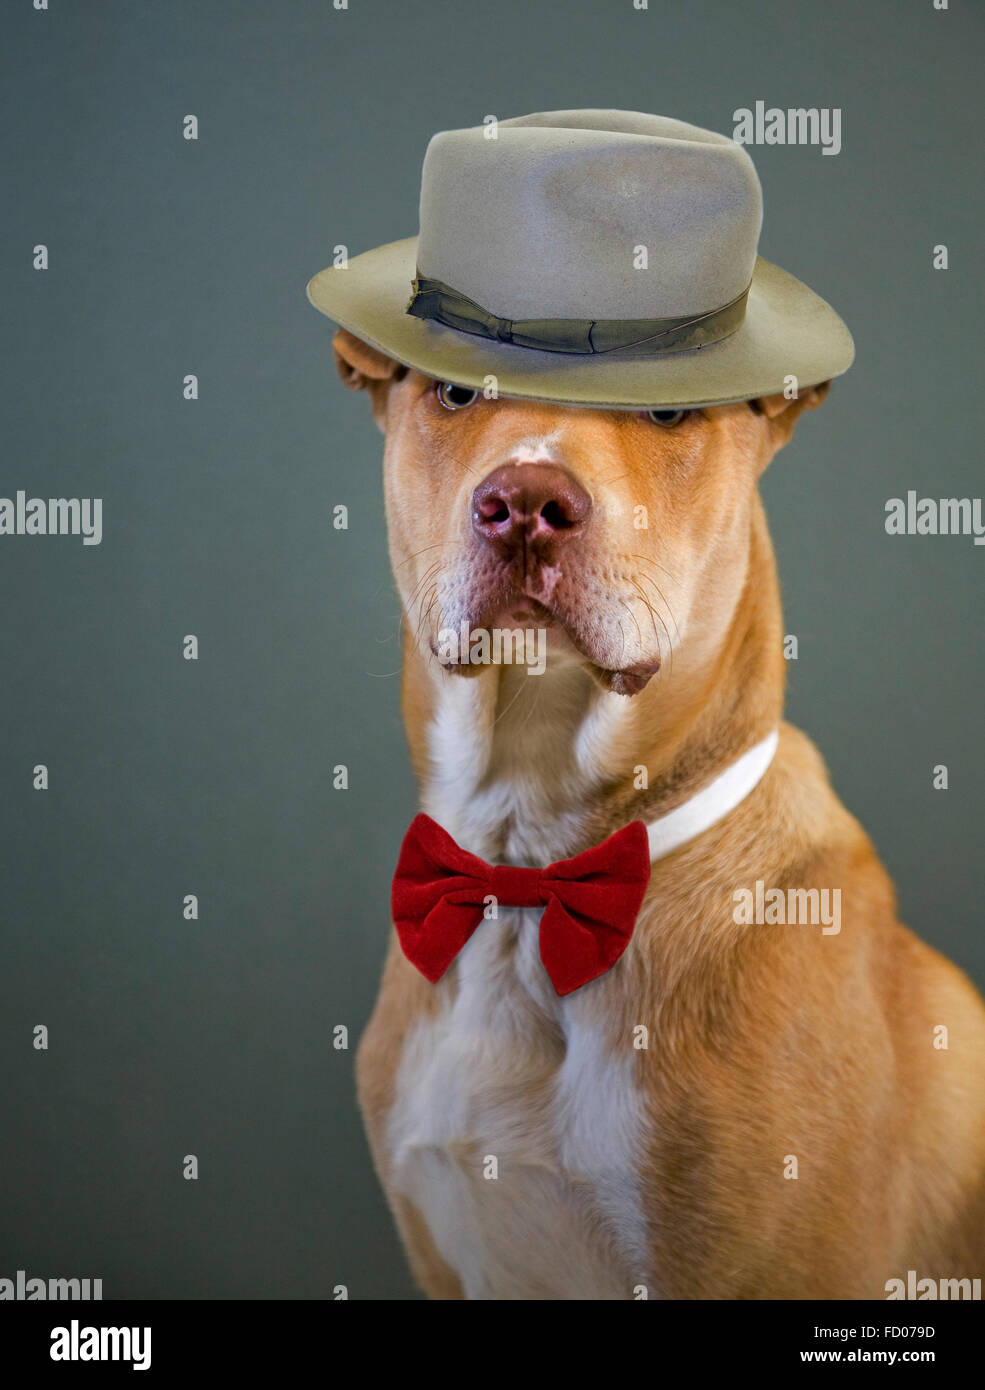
(524, 505)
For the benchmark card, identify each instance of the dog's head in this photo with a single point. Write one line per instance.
(625, 534)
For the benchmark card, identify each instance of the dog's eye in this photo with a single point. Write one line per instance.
(667, 418)
(454, 397)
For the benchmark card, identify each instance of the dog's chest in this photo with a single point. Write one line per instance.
(516, 1132)
(516, 1129)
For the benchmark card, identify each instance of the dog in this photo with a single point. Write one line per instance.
(735, 1109)
(662, 1167)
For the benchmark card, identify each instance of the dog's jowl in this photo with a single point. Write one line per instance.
(588, 1075)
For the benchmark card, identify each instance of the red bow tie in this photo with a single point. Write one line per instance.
(590, 902)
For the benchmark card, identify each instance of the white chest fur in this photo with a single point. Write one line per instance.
(517, 1131)
(517, 1127)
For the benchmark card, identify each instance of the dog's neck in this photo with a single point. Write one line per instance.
(526, 769)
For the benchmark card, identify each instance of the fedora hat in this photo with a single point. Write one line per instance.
(589, 258)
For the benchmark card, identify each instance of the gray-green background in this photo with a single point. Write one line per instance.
(214, 777)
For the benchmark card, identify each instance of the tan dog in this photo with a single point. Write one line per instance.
(735, 1110)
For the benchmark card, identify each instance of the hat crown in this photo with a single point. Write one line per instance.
(590, 214)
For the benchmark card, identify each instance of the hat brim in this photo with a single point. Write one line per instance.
(788, 331)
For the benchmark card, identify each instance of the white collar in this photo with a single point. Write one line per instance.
(712, 802)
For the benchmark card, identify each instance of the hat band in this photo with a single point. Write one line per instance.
(433, 299)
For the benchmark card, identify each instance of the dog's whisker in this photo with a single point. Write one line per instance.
(426, 587)
(649, 608)
(663, 598)
(427, 595)
(506, 710)
(438, 545)
(427, 615)
(657, 617)
(430, 573)
(649, 560)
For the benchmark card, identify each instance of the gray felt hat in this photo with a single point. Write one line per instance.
(589, 258)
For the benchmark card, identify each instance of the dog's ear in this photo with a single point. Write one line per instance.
(362, 367)
(359, 364)
(780, 414)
